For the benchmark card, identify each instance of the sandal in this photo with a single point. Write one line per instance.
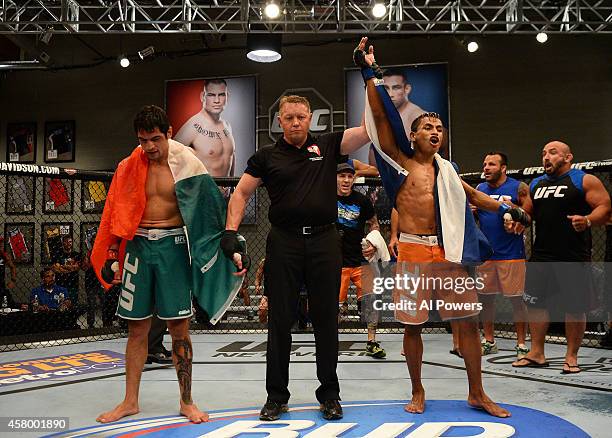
(531, 364)
(570, 369)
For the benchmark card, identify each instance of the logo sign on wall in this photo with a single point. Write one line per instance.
(321, 108)
(373, 419)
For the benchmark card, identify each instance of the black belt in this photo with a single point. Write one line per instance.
(308, 230)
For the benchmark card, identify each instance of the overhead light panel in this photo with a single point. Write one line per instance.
(264, 47)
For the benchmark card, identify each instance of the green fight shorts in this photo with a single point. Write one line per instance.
(156, 276)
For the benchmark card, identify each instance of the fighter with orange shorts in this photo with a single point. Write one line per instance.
(413, 177)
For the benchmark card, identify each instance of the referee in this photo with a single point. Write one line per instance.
(303, 247)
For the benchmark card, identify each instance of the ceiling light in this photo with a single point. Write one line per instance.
(264, 47)
(124, 61)
(379, 10)
(542, 37)
(272, 10)
(472, 46)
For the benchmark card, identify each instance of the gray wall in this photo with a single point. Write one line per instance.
(514, 94)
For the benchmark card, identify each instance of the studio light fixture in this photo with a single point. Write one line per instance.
(272, 10)
(472, 46)
(542, 37)
(264, 47)
(379, 10)
(146, 52)
(46, 35)
(124, 61)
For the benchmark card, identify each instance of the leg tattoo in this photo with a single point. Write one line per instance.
(183, 352)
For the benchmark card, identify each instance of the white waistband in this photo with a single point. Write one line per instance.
(157, 234)
(420, 240)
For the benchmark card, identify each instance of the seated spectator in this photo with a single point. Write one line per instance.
(49, 296)
(6, 260)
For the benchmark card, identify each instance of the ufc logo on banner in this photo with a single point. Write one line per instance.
(127, 291)
(545, 192)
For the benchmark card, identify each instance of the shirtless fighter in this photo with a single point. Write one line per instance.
(157, 271)
(417, 203)
(208, 134)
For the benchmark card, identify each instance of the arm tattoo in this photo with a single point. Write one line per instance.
(182, 350)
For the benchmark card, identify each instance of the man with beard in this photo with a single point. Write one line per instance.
(208, 134)
(566, 204)
(505, 272)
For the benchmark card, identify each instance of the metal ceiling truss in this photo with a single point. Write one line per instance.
(306, 16)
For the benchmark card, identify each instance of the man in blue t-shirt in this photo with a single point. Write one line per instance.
(504, 273)
(49, 296)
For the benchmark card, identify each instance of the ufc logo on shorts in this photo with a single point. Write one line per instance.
(127, 291)
(545, 192)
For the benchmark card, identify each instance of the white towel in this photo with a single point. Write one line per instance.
(378, 242)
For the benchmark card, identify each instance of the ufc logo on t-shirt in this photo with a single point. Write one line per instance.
(545, 192)
(501, 197)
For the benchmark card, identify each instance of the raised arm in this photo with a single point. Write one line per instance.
(370, 70)
(363, 169)
(353, 139)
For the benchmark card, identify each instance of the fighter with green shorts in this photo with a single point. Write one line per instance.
(156, 275)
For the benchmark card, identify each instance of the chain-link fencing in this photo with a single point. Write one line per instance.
(49, 222)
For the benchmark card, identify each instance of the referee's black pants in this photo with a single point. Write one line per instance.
(291, 261)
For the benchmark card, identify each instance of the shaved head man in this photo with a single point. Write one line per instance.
(566, 204)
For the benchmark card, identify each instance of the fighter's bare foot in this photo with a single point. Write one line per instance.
(123, 409)
(193, 413)
(486, 404)
(417, 404)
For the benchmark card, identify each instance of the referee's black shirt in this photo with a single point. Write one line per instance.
(301, 182)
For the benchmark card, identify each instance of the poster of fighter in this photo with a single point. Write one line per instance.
(217, 118)
(414, 89)
(21, 142)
